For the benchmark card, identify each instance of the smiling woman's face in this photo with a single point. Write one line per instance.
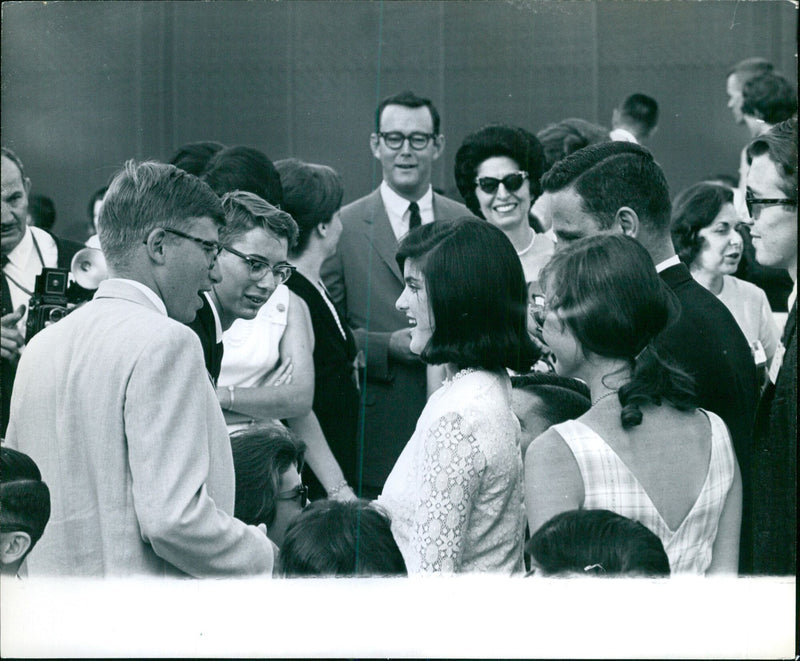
(414, 302)
(504, 208)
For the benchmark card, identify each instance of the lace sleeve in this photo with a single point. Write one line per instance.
(452, 471)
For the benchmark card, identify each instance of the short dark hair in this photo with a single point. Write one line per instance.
(605, 288)
(150, 195)
(749, 67)
(261, 454)
(612, 175)
(597, 543)
(516, 143)
(561, 139)
(194, 156)
(770, 97)
(409, 100)
(24, 497)
(780, 143)
(97, 195)
(11, 156)
(245, 211)
(311, 194)
(641, 110)
(563, 398)
(42, 211)
(247, 169)
(476, 293)
(693, 209)
(334, 538)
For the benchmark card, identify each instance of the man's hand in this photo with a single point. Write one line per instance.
(11, 340)
(399, 346)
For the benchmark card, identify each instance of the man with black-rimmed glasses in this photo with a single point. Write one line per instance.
(772, 205)
(365, 281)
(114, 404)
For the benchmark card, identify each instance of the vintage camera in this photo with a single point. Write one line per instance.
(58, 291)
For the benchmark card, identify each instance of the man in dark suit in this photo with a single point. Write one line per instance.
(365, 281)
(25, 251)
(618, 187)
(772, 204)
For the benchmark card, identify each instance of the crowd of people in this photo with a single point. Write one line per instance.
(573, 373)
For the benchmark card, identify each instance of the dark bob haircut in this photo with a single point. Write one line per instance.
(597, 543)
(476, 294)
(25, 498)
(311, 194)
(519, 145)
(345, 539)
(693, 209)
(770, 97)
(247, 169)
(261, 454)
(606, 290)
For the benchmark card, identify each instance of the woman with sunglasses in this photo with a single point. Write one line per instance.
(704, 231)
(455, 493)
(267, 370)
(497, 172)
(642, 450)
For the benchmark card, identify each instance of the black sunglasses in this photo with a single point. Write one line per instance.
(512, 182)
(300, 491)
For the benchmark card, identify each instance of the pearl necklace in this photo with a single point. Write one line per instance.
(520, 253)
(458, 375)
(608, 394)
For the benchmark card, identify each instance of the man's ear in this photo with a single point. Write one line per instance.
(322, 229)
(156, 243)
(628, 221)
(27, 185)
(438, 146)
(374, 139)
(13, 546)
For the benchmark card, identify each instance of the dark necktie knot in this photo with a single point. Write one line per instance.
(414, 219)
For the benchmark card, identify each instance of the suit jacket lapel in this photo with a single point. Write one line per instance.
(381, 236)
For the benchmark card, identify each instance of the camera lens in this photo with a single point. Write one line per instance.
(56, 314)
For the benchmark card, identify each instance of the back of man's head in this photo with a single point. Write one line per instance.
(194, 156)
(409, 100)
(613, 175)
(150, 195)
(24, 506)
(639, 112)
(769, 97)
(749, 67)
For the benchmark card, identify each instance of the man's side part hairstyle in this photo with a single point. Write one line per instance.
(409, 100)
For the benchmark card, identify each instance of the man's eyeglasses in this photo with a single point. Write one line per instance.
(300, 491)
(212, 248)
(512, 182)
(395, 139)
(755, 204)
(259, 268)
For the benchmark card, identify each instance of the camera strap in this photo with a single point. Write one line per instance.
(27, 291)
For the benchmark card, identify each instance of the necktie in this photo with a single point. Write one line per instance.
(6, 294)
(414, 219)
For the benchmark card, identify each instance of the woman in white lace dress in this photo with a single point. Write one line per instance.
(455, 494)
(642, 450)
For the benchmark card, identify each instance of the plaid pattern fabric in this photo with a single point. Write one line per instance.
(609, 484)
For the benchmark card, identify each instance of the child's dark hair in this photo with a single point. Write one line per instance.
(606, 289)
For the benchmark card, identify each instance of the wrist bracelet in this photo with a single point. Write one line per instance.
(334, 490)
(230, 390)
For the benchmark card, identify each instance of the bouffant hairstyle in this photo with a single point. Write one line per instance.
(261, 454)
(311, 194)
(244, 168)
(561, 139)
(25, 498)
(770, 97)
(693, 209)
(606, 290)
(343, 539)
(516, 143)
(597, 543)
(476, 294)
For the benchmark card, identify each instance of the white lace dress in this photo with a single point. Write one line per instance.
(455, 495)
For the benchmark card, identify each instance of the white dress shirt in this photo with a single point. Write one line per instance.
(397, 209)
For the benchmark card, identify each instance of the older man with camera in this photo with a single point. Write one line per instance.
(25, 252)
(114, 404)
